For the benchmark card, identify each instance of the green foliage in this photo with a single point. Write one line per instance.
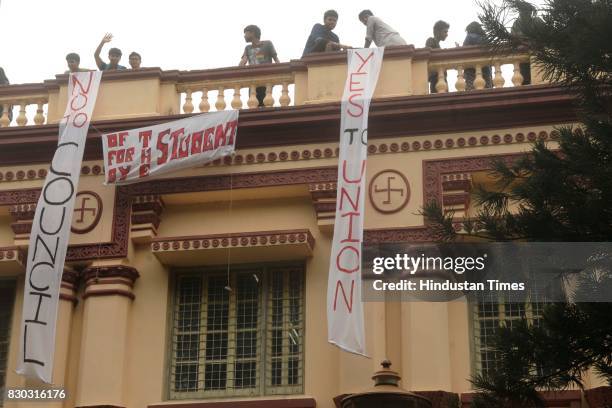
(560, 192)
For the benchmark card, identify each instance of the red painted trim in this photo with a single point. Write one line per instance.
(319, 123)
(269, 403)
(93, 282)
(100, 406)
(69, 298)
(218, 182)
(557, 399)
(234, 235)
(112, 271)
(109, 292)
(116, 248)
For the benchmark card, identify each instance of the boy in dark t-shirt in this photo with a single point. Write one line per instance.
(257, 52)
(322, 38)
(114, 56)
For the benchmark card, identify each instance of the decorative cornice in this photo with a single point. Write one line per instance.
(318, 123)
(19, 197)
(324, 202)
(99, 278)
(21, 227)
(260, 246)
(109, 292)
(146, 216)
(279, 155)
(266, 403)
(148, 203)
(402, 234)
(456, 191)
(434, 170)
(237, 240)
(40, 172)
(326, 177)
(235, 181)
(112, 271)
(22, 211)
(22, 214)
(70, 276)
(12, 254)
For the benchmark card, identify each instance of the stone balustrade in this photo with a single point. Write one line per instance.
(315, 79)
(30, 101)
(475, 59)
(241, 82)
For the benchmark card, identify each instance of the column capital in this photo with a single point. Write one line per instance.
(70, 279)
(110, 280)
(111, 271)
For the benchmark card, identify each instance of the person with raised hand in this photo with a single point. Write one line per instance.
(114, 56)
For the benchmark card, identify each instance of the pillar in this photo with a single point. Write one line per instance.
(107, 299)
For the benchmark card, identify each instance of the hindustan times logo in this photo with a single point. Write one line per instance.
(412, 264)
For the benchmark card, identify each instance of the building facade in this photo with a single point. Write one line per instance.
(207, 287)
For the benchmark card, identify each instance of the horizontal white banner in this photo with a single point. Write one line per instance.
(137, 154)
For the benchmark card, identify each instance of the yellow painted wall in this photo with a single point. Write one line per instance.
(429, 342)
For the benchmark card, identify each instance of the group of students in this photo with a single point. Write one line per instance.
(114, 56)
(323, 39)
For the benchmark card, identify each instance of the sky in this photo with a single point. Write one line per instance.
(190, 34)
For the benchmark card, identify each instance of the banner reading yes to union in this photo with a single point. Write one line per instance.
(136, 154)
(345, 326)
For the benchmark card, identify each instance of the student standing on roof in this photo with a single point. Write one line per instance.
(257, 52)
(440, 31)
(114, 56)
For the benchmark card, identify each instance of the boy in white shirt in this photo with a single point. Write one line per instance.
(378, 31)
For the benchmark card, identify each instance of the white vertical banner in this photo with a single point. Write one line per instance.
(51, 231)
(345, 326)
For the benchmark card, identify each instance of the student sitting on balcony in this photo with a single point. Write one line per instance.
(440, 30)
(4, 81)
(73, 60)
(378, 31)
(257, 52)
(476, 36)
(322, 38)
(135, 60)
(114, 56)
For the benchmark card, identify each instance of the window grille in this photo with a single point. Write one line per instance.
(247, 341)
(492, 313)
(7, 299)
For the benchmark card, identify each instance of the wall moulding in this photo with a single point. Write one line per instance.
(389, 117)
(324, 177)
(218, 248)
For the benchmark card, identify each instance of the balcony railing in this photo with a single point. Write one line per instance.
(241, 83)
(314, 79)
(464, 58)
(21, 97)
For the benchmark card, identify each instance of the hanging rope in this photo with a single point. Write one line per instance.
(229, 249)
